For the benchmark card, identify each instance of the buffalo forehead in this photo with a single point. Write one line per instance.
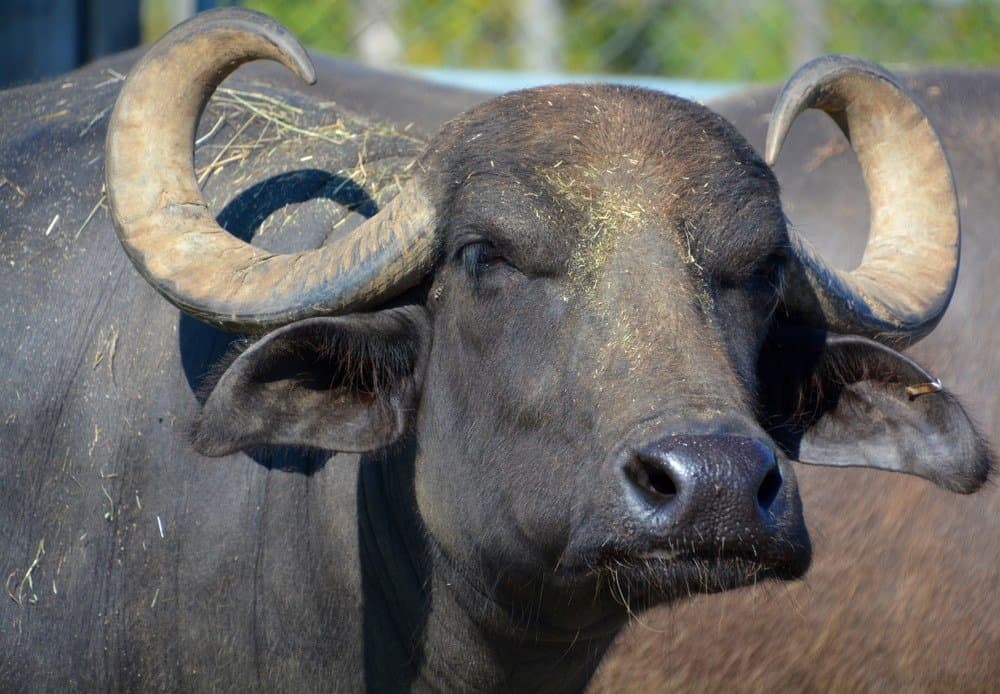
(597, 163)
(638, 198)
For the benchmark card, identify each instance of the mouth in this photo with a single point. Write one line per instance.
(641, 578)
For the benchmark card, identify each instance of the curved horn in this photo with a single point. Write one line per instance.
(172, 237)
(908, 271)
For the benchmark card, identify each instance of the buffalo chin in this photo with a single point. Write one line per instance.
(646, 582)
(642, 579)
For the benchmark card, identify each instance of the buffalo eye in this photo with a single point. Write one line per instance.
(480, 257)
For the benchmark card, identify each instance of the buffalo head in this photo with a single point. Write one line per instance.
(587, 315)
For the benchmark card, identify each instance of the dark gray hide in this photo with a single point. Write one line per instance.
(143, 558)
(899, 592)
(132, 563)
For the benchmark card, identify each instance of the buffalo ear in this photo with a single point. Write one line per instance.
(849, 401)
(348, 383)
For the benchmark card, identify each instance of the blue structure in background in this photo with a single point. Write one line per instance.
(42, 38)
(507, 81)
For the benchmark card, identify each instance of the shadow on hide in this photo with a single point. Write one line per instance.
(203, 347)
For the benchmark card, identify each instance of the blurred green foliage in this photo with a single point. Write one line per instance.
(706, 39)
(944, 31)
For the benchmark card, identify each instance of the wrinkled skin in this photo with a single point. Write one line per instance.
(262, 634)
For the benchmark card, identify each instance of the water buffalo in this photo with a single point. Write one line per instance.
(575, 350)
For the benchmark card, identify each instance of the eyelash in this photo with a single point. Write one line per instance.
(772, 268)
(767, 277)
(480, 256)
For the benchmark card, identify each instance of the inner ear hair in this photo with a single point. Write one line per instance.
(848, 401)
(344, 383)
(803, 371)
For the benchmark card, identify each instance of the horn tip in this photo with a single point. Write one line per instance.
(304, 69)
(777, 130)
(309, 75)
(291, 53)
(771, 150)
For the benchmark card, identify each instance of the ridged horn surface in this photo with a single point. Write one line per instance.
(907, 274)
(172, 237)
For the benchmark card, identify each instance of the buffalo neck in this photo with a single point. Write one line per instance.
(429, 625)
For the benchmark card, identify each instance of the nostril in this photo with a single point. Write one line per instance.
(769, 487)
(648, 474)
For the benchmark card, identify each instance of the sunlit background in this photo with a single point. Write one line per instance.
(729, 40)
(745, 40)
